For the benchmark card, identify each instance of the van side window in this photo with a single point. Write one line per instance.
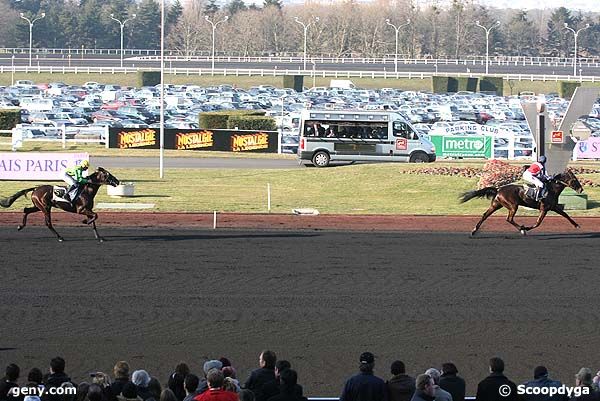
(403, 130)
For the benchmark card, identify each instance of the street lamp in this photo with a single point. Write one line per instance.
(122, 24)
(397, 29)
(576, 33)
(214, 27)
(305, 26)
(31, 22)
(487, 42)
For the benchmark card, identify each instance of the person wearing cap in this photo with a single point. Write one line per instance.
(536, 175)
(452, 383)
(425, 389)
(440, 393)
(489, 388)
(207, 367)
(364, 386)
(266, 373)
(74, 177)
(401, 386)
(540, 379)
(584, 378)
(215, 390)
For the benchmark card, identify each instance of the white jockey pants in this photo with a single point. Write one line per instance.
(527, 176)
(69, 179)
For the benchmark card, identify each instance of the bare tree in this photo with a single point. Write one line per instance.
(191, 34)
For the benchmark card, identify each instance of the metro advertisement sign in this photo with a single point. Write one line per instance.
(463, 146)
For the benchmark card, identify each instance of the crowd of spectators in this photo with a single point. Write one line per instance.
(275, 380)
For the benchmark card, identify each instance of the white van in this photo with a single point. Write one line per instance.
(351, 135)
(34, 104)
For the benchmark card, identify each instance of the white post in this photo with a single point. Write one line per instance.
(215, 220)
(31, 22)
(397, 29)
(269, 198)
(487, 42)
(162, 91)
(214, 28)
(122, 24)
(576, 33)
(305, 27)
(12, 73)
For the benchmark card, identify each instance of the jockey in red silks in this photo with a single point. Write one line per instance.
(536, 175)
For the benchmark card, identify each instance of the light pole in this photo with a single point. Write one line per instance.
(214, 27)
(12, 74)
(487, 42)
(576, 33)
(122, 24)
(397, 29)
(161, 153)
(31, 22)
(305, 26)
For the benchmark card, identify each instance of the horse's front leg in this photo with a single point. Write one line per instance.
(91, 219)
(540, 218)
(98, 237)
(566, 216)
(511, 219)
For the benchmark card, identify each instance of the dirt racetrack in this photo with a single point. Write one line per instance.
(157, 294)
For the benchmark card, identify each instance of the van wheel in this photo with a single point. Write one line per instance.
(419, 157)
(321, 159)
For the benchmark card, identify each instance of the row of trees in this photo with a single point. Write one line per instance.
(344, 28)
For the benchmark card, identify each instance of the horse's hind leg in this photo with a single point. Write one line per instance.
(493, 207)
(26, 212)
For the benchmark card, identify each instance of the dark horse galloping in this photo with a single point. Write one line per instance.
(42, 199)
(513, 195)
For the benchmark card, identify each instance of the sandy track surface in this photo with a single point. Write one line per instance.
(158, 296)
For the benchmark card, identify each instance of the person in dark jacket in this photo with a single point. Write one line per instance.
(176, 379)
(289, 387)
(425, 389)
(365, 386)
(584, 380)
(540, 379)
(56, 378)
(121, 374)
(262, 375)
(8, 382)
(452, 383)
(141, 379)
(401, 386)
(273, 387)
(190, 384)
(490, 388)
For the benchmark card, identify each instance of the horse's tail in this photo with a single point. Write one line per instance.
(487, 192)
(8, 201)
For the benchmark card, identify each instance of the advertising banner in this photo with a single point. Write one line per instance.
(588, 149)
(37, 166)
(194, 139)
(463, 146)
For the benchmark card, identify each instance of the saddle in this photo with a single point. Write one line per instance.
(58, 193)
(531, 192)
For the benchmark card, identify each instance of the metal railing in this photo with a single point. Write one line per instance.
(285, 72)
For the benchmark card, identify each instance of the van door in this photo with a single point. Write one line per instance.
(405, 139)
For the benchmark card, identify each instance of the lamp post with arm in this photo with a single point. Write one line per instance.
(305, 26)
(487, 42)
(397, 29)
(214, 28)
(122, 24)
(576, 33)
(31, 22)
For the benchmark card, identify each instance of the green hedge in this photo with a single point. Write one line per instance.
(566, 89)
(9, 118)
(148, 78)
(491, 84)
(260, 123)
(439, 84)
(295, 82)
(218, 119)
